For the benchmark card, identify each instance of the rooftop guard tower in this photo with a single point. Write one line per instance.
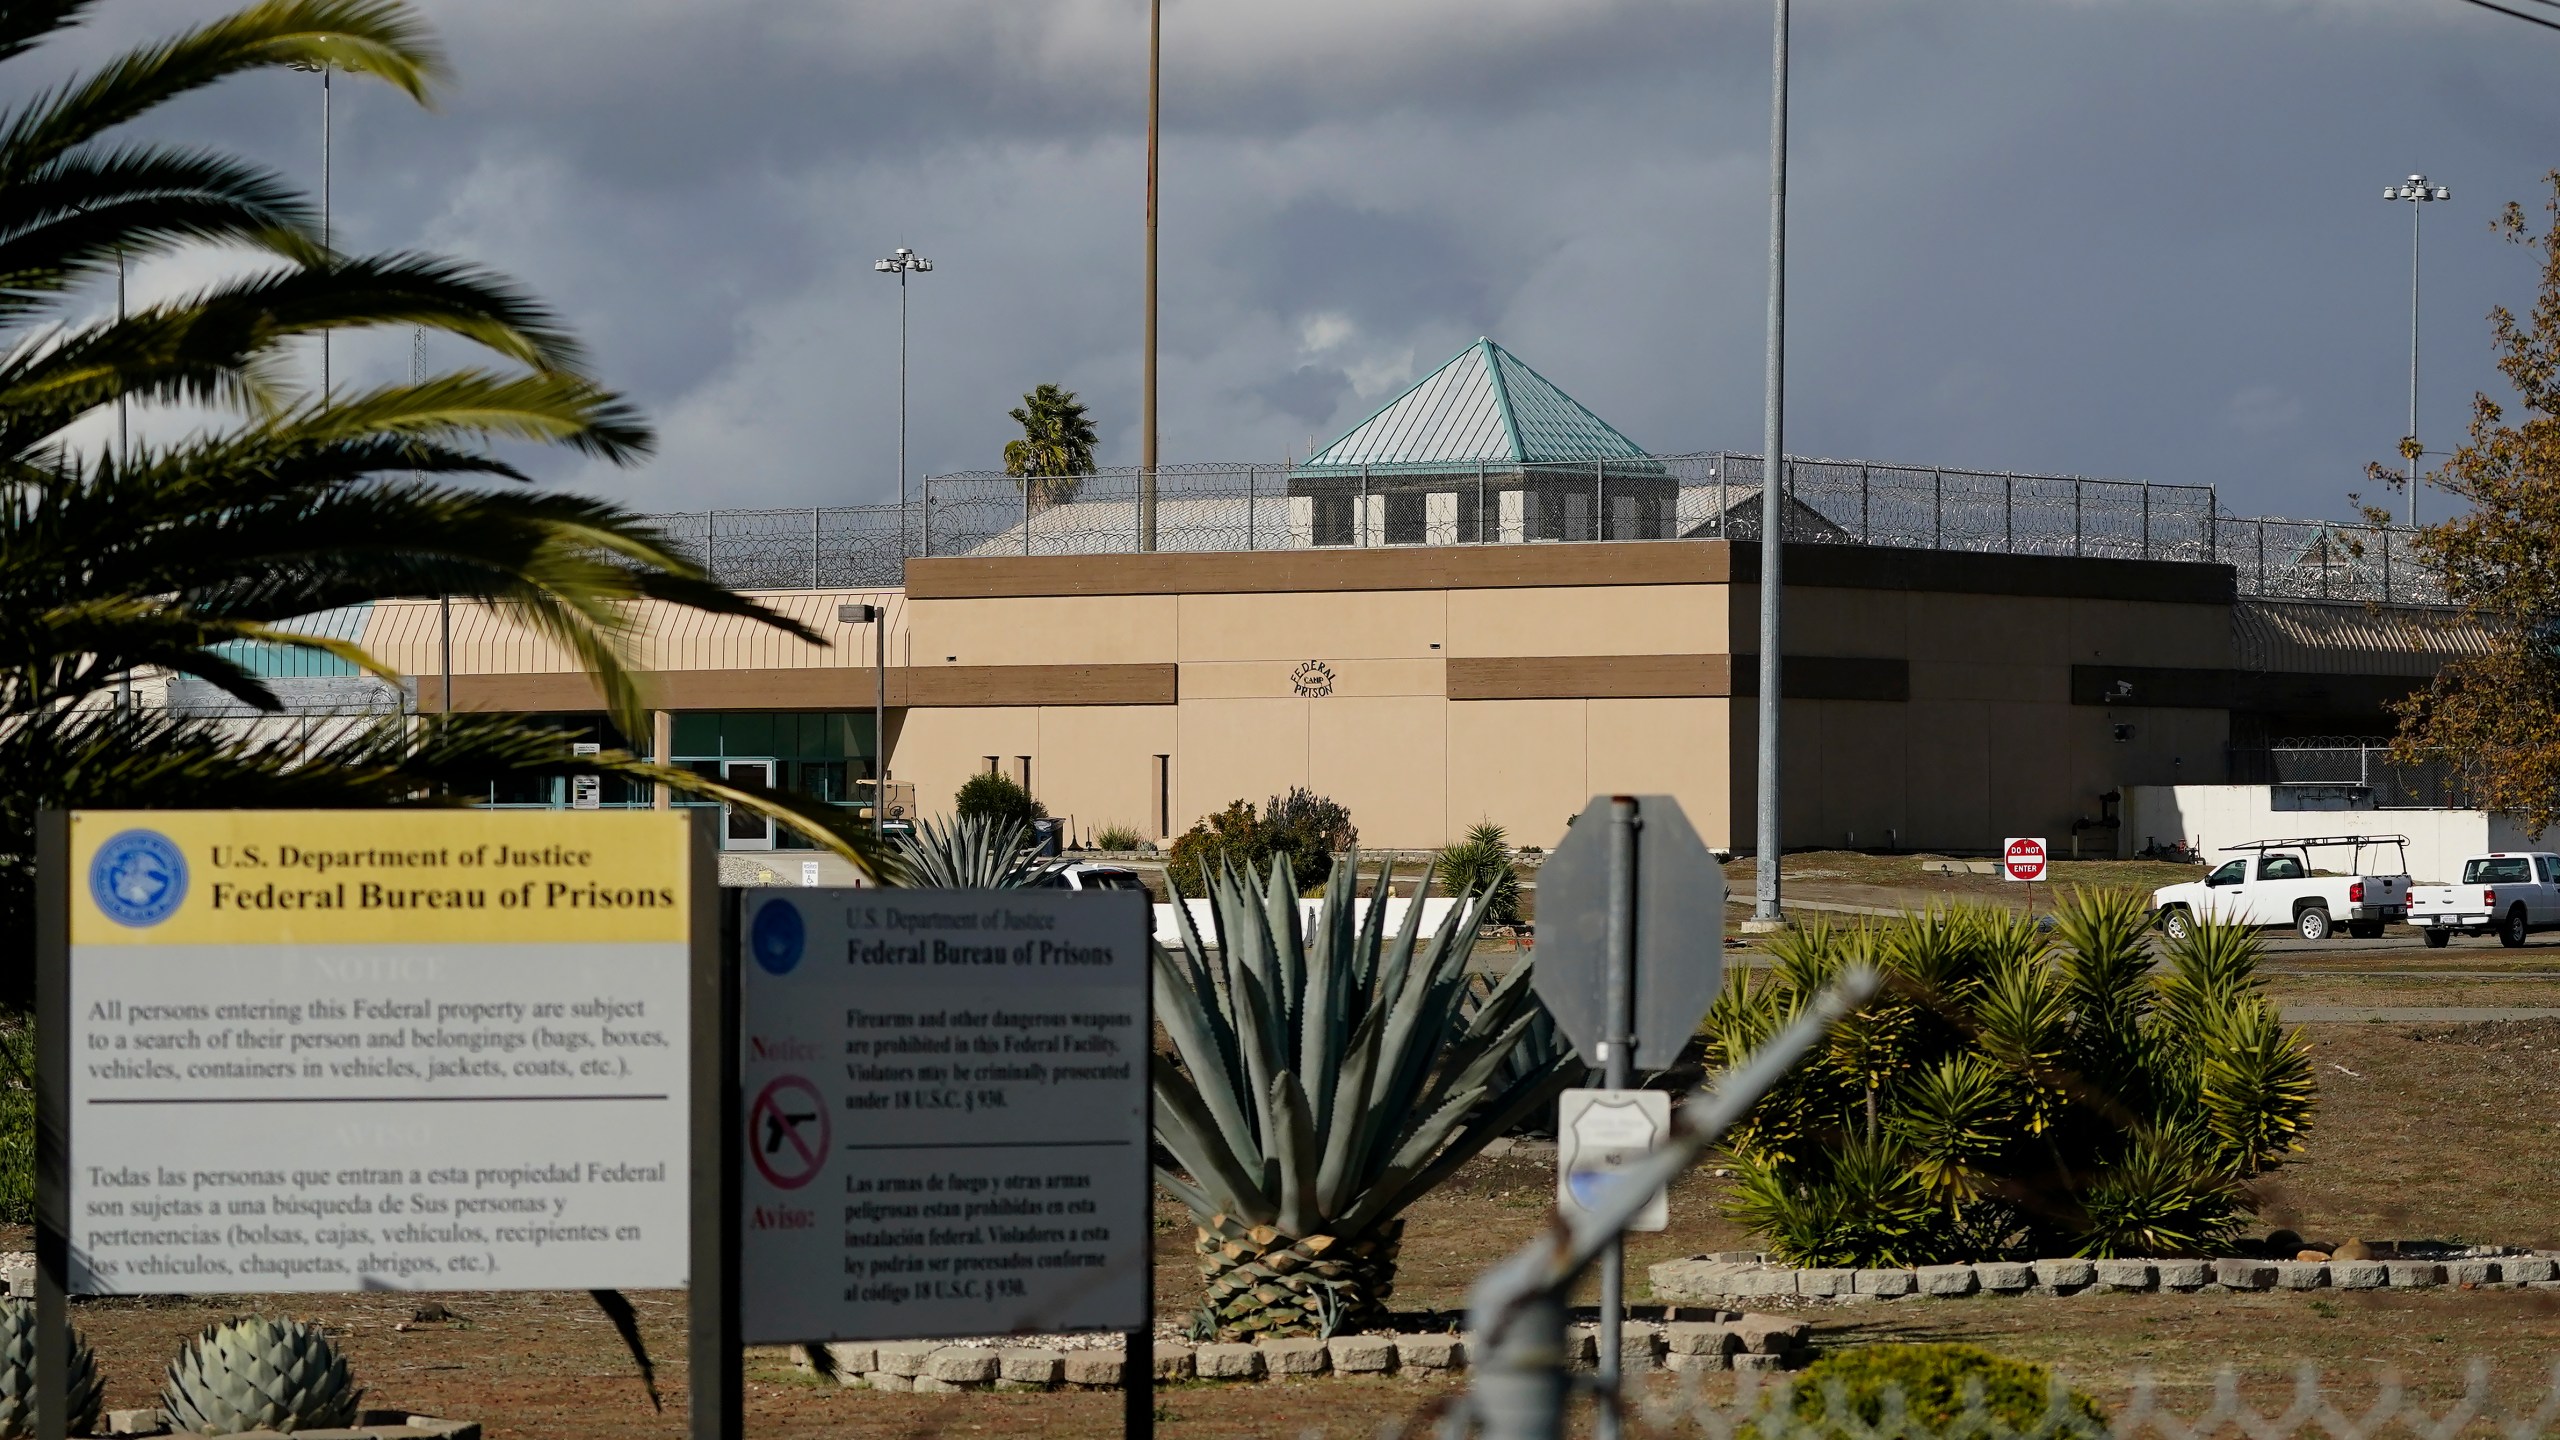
(1482, 450)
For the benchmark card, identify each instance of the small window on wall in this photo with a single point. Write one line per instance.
(1163, 795)
(1406, 517)
(990, 766)
(1022, 772)
(1333, 519)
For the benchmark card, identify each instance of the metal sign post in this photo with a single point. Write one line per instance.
(1630, 951)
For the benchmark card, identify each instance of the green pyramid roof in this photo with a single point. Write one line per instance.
(1485, 405)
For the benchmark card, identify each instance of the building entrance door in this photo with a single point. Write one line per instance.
(741, 830)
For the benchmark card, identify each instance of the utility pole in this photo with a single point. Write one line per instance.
(2419, 194)
(1147, 383)
(1767, 913)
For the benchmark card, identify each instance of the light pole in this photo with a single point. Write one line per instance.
(877, 617)
(325, 240)
(902, 262)
(2419, 194)
(1767, 913)
(1147, 387)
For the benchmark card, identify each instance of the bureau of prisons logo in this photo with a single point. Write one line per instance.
(138, 877)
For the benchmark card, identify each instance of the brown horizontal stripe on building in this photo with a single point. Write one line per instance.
(928, 687)
(1620, 677)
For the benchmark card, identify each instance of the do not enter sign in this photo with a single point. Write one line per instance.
(2023, 858)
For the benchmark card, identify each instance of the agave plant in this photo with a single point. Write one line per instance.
(972, 852)
(1325, 1080)
(18, 1374)
(258, 1374)
(2016, 1092)
(1482, 861)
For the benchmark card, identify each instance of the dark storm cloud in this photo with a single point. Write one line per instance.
(2132, 237)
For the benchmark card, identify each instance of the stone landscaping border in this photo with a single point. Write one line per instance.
(1732, 1341)
(1717, 1278)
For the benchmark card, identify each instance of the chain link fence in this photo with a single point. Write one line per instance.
(1716, 495)
(2349, 761)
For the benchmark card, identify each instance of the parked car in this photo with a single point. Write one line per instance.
(2272, 883)
(2511, 894)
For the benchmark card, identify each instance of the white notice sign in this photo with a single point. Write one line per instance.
(1598, 1134)
(422, 1050)
(946, 1096)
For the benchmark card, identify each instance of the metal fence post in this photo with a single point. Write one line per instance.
(1026, 517)
(2262, 555)
(1866, 523)
(2075, 519)
(2212, 523)
(1480, 535)
(2009, 512)
(813, 547)
(2386, 565)
(1360, 531)
(924, 528)
(2146, 519)
(1599, 499)
(1252, 493)
(711, 544)
(1937, 510)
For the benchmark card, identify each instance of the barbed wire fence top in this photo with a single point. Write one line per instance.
(1231, 508)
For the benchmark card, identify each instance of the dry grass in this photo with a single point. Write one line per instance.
(2439, 1132)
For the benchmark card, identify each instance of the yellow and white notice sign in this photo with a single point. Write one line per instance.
(355, 1050)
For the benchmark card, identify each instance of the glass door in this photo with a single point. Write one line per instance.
(741, 830)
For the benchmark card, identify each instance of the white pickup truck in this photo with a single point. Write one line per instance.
(2510, 893)
(2273, 883)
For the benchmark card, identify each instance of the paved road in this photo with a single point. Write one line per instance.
(2415, 1014)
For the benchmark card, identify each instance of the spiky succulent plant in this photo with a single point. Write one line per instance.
(972, 852)
(259, 1374)
(18, 1374)
(1325, 1080)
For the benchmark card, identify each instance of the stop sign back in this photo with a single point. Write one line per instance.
(2022, 858)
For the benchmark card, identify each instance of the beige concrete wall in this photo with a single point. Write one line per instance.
(1091, 763)
(1989, 744)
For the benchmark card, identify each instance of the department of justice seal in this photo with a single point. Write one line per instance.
(138, 877)
(777, 936)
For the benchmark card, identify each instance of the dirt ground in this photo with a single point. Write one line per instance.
(2425, 1132)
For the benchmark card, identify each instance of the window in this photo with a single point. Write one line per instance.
(2498, 870)
(1406, 522)
(2547, 866)
(2279, 867)
(1164, 795)
(2230, 874)
(1113, 880)
(1333, 519)
(990, 765)
(1022, 772)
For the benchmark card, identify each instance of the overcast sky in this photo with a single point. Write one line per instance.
(2113, 237)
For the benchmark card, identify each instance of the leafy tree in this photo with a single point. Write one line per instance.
(2494, 718)
(991, 796)
(1056, 445)
(267, 503)
(2014, 1094)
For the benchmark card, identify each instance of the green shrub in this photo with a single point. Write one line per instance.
(1235, 836)
(995, 797)
(1483, 860)
(17, 1125)
(1932, 1382)
(2014, 1093)
(1117, 837)
(1308, 828)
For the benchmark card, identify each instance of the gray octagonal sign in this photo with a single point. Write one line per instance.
(1679, 943)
